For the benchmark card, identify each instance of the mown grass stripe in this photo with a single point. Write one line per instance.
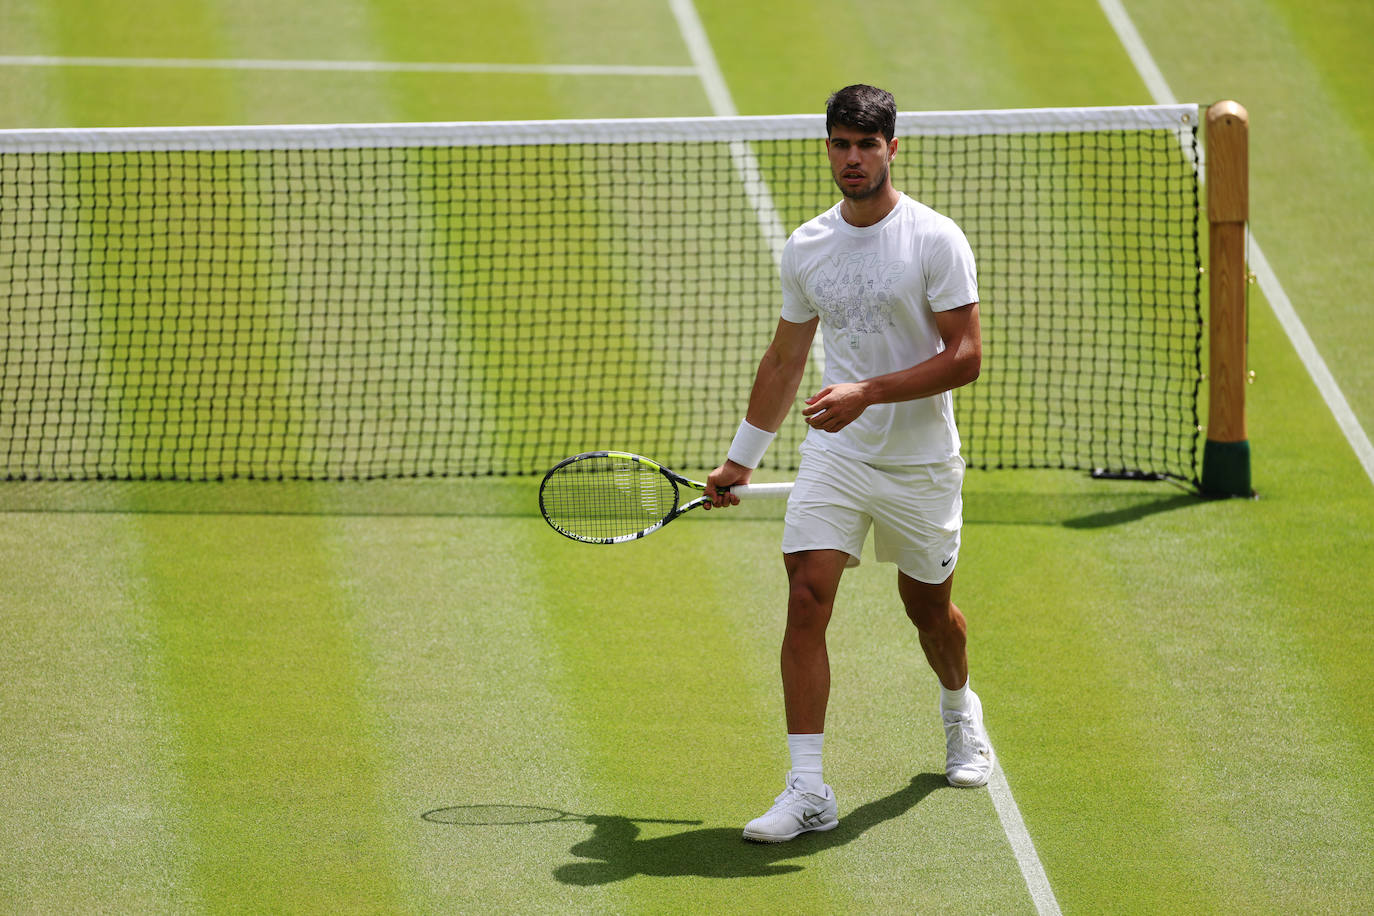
(259, 670)
(90, 811)
(472, 705)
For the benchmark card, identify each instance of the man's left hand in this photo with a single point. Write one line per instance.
(835, 406)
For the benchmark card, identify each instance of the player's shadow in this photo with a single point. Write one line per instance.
(615, 852)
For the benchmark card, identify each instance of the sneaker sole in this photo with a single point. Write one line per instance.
(975, 783)
(771, 838)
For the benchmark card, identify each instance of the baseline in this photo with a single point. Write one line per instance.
(350, 66)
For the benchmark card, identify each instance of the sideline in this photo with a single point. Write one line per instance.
(1269, 283)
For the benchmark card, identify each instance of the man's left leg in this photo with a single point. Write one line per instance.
(943, 635)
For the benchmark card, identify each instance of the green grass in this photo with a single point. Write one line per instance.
(244, 698)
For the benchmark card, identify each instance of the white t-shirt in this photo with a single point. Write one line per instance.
(876, 289)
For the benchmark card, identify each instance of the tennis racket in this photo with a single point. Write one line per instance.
(613, 497)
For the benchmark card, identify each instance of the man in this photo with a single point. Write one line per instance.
(893, 285)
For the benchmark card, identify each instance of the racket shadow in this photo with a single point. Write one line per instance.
(615, 852)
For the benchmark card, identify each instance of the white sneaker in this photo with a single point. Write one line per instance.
(794, 812)
(968, 752)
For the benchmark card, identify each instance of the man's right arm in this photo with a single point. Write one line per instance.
(775, 388)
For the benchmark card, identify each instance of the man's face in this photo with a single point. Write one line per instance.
(859, 161)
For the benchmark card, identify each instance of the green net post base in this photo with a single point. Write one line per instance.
(1226, 469)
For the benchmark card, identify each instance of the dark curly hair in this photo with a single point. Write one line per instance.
(865, 108)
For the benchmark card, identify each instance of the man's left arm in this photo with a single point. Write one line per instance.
(836, 406)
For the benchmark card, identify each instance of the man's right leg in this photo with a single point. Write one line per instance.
(806, 804)
(813, 579)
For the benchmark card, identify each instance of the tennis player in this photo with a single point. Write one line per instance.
(893, 287)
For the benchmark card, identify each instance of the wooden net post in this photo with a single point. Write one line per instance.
(1226, 456)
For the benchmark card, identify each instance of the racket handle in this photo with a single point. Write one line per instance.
(762, 490)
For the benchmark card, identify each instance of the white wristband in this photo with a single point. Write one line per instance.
(749, 444)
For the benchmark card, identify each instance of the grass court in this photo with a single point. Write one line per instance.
(282, 697)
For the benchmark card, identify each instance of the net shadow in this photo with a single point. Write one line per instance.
(1103, 506)
(1077, 510)
(493, 497)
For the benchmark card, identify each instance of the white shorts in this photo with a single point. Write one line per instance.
(915, 511)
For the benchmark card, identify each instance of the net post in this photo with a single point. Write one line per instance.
(1226, 455)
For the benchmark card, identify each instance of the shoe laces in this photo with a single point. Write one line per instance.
(963, 734)
(792, 794)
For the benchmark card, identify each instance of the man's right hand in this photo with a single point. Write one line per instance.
(728, 474)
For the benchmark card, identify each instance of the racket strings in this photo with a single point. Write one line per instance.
(606, 496)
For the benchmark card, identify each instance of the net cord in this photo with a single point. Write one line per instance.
(628, 130)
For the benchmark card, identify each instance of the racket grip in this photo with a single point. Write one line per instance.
(762, 490)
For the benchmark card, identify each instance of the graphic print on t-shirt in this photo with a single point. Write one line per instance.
(853, 292)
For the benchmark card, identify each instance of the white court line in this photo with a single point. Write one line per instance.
(1037, 882)
(350, 66)
(746, 163)
(1135, 48)
(1268, 280)
(718, 93)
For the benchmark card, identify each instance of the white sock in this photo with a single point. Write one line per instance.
(954, 700)
(806, 762)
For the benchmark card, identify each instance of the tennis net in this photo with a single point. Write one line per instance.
(430, 300)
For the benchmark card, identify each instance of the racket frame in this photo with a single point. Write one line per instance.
(677, 480)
